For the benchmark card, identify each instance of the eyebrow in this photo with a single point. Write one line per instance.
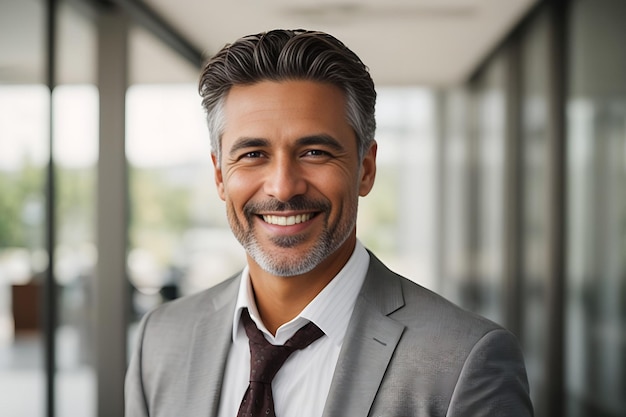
(244, 143)
(320, 139)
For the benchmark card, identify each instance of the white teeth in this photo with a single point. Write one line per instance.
(287, 220)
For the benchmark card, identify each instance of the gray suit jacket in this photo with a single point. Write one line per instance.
(408, 352)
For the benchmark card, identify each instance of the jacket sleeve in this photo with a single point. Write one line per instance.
(493, 380)
(135, 403)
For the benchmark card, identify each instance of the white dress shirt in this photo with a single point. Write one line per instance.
(301, 386)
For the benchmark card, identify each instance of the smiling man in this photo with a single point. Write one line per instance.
(291, 175)
(314, 325)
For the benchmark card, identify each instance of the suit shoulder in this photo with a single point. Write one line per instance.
(422, 304)
(413, 305)
(447, 334)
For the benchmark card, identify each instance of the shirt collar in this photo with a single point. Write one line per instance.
(330, 310)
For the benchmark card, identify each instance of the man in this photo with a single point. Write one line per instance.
(291, 118)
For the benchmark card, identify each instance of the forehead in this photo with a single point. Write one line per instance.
(285, 108)
(298, 93)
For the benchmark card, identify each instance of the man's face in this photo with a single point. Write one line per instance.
(290, 174)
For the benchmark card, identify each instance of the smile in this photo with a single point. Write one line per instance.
(287, 220)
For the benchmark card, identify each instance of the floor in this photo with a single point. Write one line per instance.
(22, 379)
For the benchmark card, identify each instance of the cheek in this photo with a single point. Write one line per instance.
(340, 190)
(238, 189)
(331, 177)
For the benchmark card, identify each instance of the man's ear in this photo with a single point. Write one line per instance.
(368, 170)
(217, 173)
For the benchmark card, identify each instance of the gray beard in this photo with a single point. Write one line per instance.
(329, 241)
(292, 267)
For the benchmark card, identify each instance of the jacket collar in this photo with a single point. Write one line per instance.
(369, 345)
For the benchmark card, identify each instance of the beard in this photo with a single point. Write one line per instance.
(285, 265)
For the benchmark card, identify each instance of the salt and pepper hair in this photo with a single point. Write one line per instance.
(281, 55)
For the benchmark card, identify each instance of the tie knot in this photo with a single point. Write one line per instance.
(266, 359)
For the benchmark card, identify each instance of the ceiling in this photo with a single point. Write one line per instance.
(404, 42)
(426, 42)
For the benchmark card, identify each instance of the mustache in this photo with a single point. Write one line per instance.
(297, 203)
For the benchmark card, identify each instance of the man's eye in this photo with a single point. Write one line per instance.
(316, 152)
(251, 155)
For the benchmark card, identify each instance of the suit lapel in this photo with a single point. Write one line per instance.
(369, 344)
(212, 340)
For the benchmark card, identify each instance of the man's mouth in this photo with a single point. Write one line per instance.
(287, 220)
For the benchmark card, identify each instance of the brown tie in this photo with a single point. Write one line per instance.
(265, 361)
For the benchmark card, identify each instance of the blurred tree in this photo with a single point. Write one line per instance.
(76, 204)
(160, 209)
(21, 196)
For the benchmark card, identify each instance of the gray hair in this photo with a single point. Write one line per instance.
(280, 55)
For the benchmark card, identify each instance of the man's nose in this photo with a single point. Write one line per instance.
(284, 180)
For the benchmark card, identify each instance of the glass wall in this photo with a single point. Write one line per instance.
(24, 153)
(534, 134)
(457, 187)
(596, 293)
(518, 78)
(488, 158)
(472, 258)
